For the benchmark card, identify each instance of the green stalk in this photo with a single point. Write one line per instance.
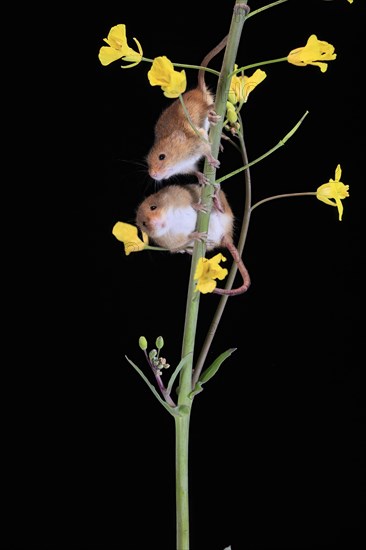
(283, 196)
(234, 268)
(181, 480)
(193, 297)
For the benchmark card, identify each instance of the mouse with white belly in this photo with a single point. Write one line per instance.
(177, 147)
(169, 218)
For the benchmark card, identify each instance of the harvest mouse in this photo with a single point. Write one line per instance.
(169, 218)
(177, 148)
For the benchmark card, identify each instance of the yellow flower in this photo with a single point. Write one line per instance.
(241, 86)
(335, 190)
(350, 1)
(162, 73)
(207, 270)
(118, 48)
(314, 53)
(128, 235)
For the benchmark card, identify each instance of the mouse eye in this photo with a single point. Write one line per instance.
(161, 156)
(153, 207)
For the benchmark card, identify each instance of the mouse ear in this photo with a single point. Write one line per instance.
(178, 136)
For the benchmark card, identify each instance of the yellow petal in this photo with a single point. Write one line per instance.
(117, 36)
(314, 53)
(207, 270)
(177, 85)
(322, 66)
(339, 204)
(236, 89)
(319, 49)
(128, 234)
(108, 55)
(338, 173)
(206, 285)
(250, 82)
(160, 72)
(342, 190)
(215, 260)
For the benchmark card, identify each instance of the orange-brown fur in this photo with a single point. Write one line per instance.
(169, 218)
(177, 148)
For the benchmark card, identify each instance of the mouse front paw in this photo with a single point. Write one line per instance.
(213, 162)
(213, 117)
(199, 207)
(202, 179)
(198, 236)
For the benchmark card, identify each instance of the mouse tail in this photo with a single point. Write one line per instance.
(206, 60)
(242, 269)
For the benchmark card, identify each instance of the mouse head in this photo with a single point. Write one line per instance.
(149, 216)
(172, 155)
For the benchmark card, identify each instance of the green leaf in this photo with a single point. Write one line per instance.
(214, 367)
(210, 371)
(172, 411)
(174, 375)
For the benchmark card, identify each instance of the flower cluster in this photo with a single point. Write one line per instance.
(162, 73)
(240, 88)
(174, 83)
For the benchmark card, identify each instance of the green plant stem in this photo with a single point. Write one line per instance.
(258, 64)
(284, 196)
(269, 152)
(272, 5)
(193, 297)
(234, 268)
(181, 480)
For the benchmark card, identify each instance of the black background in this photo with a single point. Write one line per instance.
(276, 443)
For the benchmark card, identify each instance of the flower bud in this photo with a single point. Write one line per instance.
(159, 342)
(143, 343)
(152, 354)
(231, 115)
(232, 97)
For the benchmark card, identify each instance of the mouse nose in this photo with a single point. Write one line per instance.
(156, 173)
